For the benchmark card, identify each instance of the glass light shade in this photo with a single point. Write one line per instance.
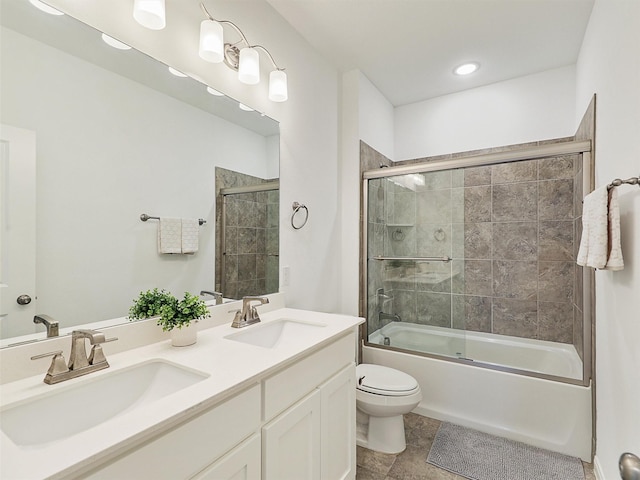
(211, 42)
(245, 107)
(278, 86)
(249, 66)
(177, 73)
(149, 13)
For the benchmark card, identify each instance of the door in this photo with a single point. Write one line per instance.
(17, 231)
(291, 442)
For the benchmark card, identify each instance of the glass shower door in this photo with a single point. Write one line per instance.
(412, 230)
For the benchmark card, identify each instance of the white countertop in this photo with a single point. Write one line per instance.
(232, 366)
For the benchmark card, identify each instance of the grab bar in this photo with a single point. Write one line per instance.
(415, 259)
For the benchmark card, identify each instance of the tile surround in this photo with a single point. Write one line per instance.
(510, 229)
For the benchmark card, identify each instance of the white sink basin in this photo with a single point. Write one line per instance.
(48, 418)
(277, 332)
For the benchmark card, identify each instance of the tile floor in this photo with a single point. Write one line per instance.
(412, 463)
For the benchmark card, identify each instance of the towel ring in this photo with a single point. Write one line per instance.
(297, 207)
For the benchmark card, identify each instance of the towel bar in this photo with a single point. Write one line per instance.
(629, 181)
(144, 217)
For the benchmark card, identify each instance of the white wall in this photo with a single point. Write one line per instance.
(609, 65)
(309, 121)
(368, 116)
(525, 109)
(102, 160)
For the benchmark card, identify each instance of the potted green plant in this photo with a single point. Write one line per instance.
(175, 316)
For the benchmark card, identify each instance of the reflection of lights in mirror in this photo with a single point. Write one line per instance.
(115, 43)
(215, 92)
(45, 8)
(177, 73)
(245, 108)
(125, 123)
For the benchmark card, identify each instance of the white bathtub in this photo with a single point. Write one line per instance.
(538, 356)
(544, 413)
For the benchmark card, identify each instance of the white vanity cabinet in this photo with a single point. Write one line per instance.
(297, 423)
(313, 438)
(189, 448)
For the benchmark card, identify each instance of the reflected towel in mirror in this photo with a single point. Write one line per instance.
(190, 230)
(169, 235)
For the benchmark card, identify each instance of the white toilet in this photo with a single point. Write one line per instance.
(383, 396)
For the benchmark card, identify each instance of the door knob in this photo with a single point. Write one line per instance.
(23, 300)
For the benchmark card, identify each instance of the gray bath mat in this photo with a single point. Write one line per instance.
(480, 456)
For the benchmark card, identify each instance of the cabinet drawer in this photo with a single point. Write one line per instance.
(187, 449)
(285, 388)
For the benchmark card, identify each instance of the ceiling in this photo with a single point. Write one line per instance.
(409, 48)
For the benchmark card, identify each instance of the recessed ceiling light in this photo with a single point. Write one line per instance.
(215, 92)
(177, 73)
(115, 43)
(466, 68)
(45, 8)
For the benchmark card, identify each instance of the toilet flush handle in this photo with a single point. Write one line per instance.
(360, 379)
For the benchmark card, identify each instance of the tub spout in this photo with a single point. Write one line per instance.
(388, 316)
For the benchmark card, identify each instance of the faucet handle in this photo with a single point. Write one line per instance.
(58, 364)
(94, 336)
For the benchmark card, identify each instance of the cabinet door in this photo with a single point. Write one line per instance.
(291, 442)
(242, 463)
(338, 426)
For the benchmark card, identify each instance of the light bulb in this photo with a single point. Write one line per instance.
(149, 13)
(211, 42)
(249, 66)
(278, 86)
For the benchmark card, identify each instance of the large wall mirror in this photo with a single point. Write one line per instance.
(116, 136)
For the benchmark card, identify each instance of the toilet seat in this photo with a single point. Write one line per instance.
(381, 380)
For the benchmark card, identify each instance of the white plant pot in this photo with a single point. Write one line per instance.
(185, 336)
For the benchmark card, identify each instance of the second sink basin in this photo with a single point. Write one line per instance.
(93, 401)
(272, 334)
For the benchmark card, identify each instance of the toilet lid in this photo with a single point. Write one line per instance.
(384, 380)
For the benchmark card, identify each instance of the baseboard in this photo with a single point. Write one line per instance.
(597, 470)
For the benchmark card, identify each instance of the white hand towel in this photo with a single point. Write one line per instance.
(600, 243)
(190, 231)
(169, 235)
(614, 259)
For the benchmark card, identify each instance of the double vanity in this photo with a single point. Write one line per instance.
(274, 400)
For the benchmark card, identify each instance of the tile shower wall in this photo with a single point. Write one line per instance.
(251, 237)
(510, 231)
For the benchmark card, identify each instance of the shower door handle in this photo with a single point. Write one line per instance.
(629, 467)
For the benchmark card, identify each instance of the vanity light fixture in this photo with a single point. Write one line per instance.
(45, 8)
(240, 56)
(150, 13)
(112, 42)
(466, 68)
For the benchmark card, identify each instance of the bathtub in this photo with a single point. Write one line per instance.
(545, 413)
(537, 356)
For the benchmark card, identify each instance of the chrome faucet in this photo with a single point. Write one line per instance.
(79, 363)
(249, 314)
(49, 323)
(216, 295)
